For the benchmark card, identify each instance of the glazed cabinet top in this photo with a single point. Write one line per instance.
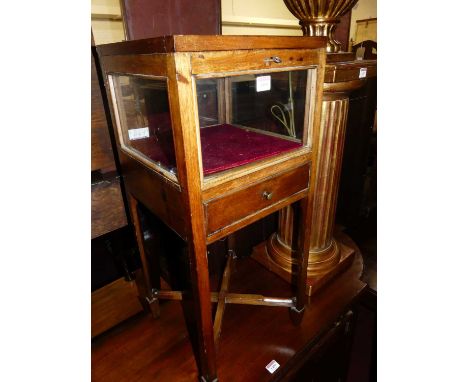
(217, 115)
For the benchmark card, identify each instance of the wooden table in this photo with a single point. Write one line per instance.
(145, 349)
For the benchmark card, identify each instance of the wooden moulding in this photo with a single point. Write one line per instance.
(153, 64)
(197, 43)
(252, 60)
(349, 71)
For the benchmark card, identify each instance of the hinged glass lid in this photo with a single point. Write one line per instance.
(144, 118)
(245, 118)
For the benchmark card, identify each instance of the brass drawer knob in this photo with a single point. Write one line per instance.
(267, 195)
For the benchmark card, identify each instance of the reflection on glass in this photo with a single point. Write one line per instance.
(250, 117)
(145, 118)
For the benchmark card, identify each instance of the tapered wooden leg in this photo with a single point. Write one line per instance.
(202, 306)
(151, 301)
(301, 240)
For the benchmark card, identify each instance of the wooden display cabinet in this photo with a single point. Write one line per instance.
(215, 133)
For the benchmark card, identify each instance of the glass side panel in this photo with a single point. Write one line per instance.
(249, 117)
(145, 120)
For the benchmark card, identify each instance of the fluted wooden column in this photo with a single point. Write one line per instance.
(324, 252)
(326, 255)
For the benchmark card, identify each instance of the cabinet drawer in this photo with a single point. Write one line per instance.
(241, 204)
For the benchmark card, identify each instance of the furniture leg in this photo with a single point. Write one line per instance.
(202, 305)
(301, 237)
(151, 300)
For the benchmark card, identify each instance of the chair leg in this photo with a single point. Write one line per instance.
(151, 301)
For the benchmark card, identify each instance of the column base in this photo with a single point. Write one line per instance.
(344, 258)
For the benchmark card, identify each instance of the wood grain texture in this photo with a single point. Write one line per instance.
(151, 64)
(226, 209)
(113, 304)
(190, 175)
(235, 226)
(239, 60)
(253, 173)
(107, 208)
(199, 43)
(161, 196)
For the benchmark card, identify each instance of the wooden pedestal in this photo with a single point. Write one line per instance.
(314, 282)
(327, 256)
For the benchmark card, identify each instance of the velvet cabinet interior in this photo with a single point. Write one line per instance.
(214, 133)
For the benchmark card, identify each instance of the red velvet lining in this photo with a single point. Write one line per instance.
(225, 147)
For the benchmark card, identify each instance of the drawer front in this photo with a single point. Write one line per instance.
(239, 205)
(213, 62)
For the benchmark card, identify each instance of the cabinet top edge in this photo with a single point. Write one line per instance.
(205, 43)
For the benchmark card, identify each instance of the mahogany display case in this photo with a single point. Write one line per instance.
(215, 133)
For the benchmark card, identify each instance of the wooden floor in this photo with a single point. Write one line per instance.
(143, 349)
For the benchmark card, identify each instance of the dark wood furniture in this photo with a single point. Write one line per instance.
(368, 46)
(177, 159)
(115, 296)
(147, 350)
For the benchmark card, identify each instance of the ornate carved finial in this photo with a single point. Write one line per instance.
(320, 17)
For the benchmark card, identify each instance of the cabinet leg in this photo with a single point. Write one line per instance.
(202, 307)
(151, 302)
